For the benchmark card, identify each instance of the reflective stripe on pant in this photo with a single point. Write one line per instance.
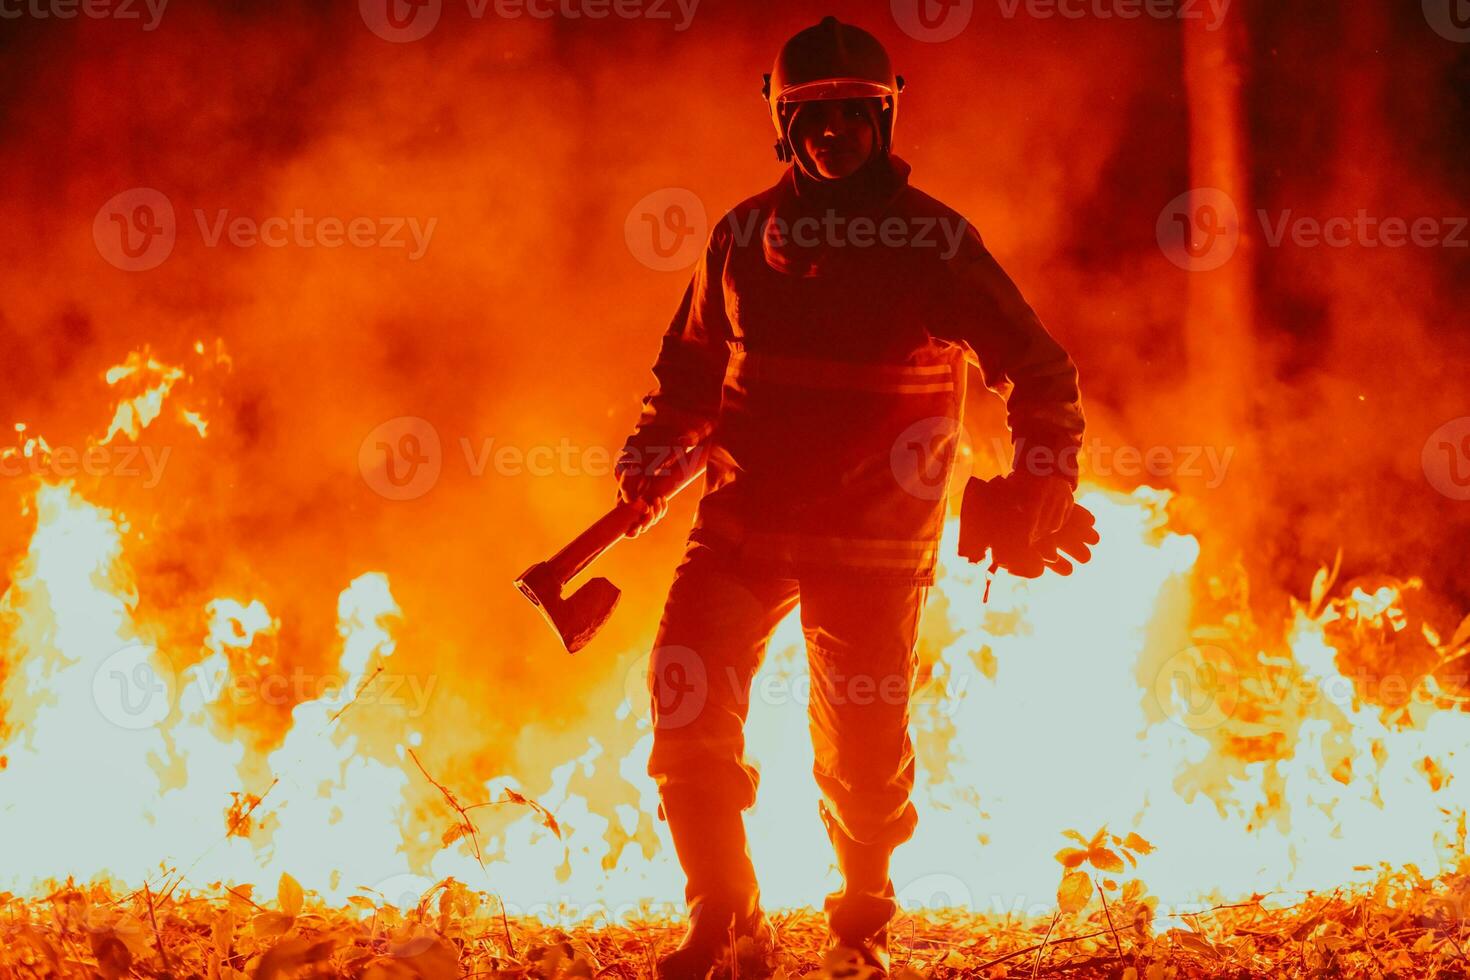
(861, 636)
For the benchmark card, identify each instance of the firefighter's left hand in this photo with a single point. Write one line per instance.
(1045, 502)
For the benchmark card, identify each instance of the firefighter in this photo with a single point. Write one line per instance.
(819, 357)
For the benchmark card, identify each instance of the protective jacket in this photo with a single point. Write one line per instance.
(820, 353)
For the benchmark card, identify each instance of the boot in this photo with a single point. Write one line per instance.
(858, 914)
(870, 951)
(706, 945)
(723, 898)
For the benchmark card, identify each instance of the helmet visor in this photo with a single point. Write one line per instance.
(835, 88)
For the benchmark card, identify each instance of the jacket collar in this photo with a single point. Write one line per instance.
(869, 193)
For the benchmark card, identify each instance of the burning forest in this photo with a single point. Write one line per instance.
(367, 609)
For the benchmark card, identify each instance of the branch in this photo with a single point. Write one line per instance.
(360, 688)
(162, 953)
(1041, 948)
(1032, 949)
(449, 797)
(1117, 943)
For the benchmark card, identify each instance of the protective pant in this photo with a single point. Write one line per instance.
(861, 635)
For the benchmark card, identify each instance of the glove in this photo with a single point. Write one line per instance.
(993, 520)
(649, 469)
(1074, 538)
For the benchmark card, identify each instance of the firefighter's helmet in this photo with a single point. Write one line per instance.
(831, 60)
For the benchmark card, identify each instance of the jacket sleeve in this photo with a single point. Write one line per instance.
(684, 404)
(986, 315)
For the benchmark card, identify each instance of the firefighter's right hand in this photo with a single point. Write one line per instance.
(645, 491)
(650, 513)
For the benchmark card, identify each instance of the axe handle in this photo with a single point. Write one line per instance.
(605, 532)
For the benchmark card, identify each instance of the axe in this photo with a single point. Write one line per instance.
(578, 617)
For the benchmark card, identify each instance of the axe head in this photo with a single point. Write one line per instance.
(577, 617)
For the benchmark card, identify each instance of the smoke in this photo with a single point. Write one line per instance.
(509, 152)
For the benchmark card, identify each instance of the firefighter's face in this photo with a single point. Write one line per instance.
(836, 135)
